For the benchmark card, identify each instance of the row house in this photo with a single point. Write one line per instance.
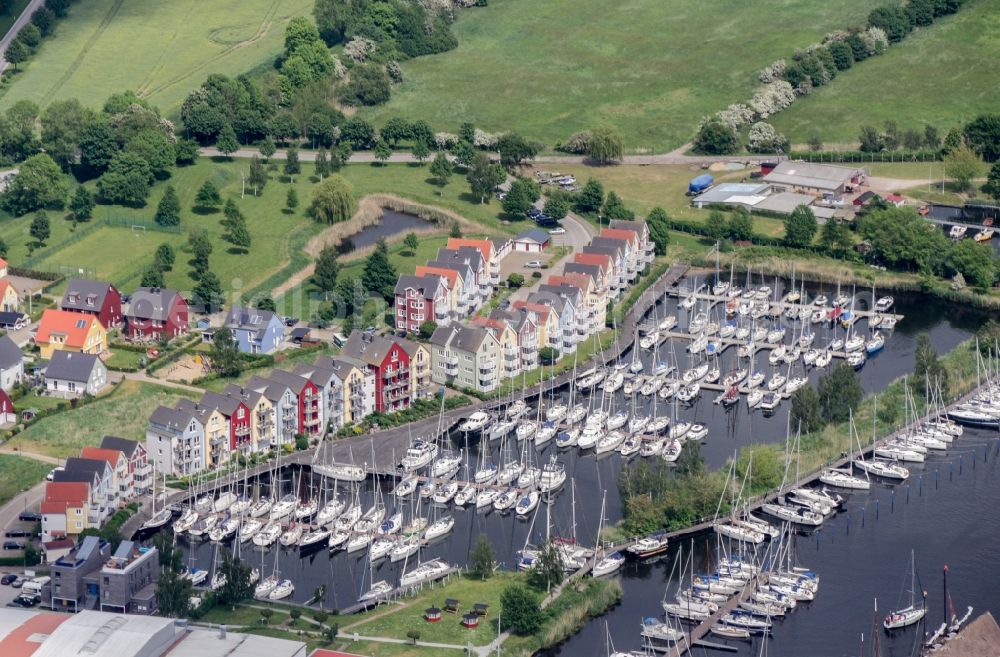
(99, 478)
(261, 415)
(615, 251)
(215, 447)
(524, 323)
(255, 331)
(455, 284)
(473, 258)
(308, 401)
(595, 299)
(390, 363)
(568, 302)
(351, 392)
(11, 363)
(156, 313)
(175, 440)
(468, 296)
(97, 298)
(633, 254)
(121, 479)
(595, 265)
(67, 509)
(486, 248)
(561, 334)
(647, 249)
(139, 469)
(327, 387)
(420, 299)
(236, 425)
(510, 352)
(546, 323)
(466, 357)
(420, 369)
(284, 409)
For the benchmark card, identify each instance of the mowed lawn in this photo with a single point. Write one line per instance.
(162, 50)
(124, 413)
(121, 254)
(942, 75)
(19, 473)
(653, 68)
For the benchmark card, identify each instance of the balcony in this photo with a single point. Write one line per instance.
(451, 369)
(241, 431)
(487, 384)
(487, 368)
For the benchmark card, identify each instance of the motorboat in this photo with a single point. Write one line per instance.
(476, 422)
(418, 455)
(268, 535)
(884, 304)
(958, 231)
(857, 359)
(553, 476)
(696, 433)
(648, 546)
(770, 401)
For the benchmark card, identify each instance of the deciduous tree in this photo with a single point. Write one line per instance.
(484, 177)
(521, 611)
(839, 393)
(81, 206)
(800, 227)
(962, 165)
(208, 197)
(379, 276)
(605, 145)
(482, 558)
(327, 270)
(333, 201)
(225, 352)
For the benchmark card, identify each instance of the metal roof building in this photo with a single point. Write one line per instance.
(810, 176)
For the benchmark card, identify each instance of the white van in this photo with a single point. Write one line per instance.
(35, 585)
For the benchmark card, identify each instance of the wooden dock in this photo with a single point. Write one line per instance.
(776, 308)
(697, 633)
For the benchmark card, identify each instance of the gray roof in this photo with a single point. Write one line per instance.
(427, 284)
(515, 317)
(123, 445)
(367, 347)
(70, 366)
(151, 303)
(249, 396)
(83, 469)
(10, 354)
(594, 271)
(225, 403)
(462, 338)
(318, 374)
(84, 294)
(566, 291)
(734, 193)
(810, 174)
(463, 269)
(534, 235)
(556, 302)
(273, 390)
(249, 319)
(469, 254)
(613, 252)
(610, 242)
(176, 418)
(9, 318)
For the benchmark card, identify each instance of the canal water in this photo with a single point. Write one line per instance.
(946, 514)
(348, 575)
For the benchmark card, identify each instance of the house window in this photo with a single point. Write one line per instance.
(395, 355)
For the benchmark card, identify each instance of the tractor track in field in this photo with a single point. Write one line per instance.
(78, 60)
(142, 89)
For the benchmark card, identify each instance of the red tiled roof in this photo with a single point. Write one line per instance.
(489, 322)
(75, 492)
(485, 246)
(74, 326)
(450, 274)
(109, 455)
(621, 234)
(580, 281)
(599, 259)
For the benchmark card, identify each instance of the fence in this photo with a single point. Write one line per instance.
(863, 157)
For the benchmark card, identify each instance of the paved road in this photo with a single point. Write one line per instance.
(674, 157)
(21, 21)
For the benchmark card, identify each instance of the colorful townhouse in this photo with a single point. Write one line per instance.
(63, 330)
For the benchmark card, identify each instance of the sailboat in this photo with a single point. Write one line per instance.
(161, 517)
(911, 613)
(844, 477)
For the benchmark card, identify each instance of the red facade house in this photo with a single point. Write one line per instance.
(156, 312)
(96, 298)
(236, 413)
(308, 400)
(7, 414)
(420, 299)
(390, 363)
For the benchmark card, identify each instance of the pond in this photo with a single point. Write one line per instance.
(392, 223)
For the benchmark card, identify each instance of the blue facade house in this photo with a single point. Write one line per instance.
(255, 331)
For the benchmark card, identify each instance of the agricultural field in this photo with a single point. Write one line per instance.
(652, 68)
(125, 412)
(936, 75)
(162, 50)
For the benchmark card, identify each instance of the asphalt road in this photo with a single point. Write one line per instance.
(21, 21)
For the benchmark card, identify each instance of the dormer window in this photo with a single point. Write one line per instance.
(91, 299)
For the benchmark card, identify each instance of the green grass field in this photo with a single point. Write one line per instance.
(936, 75)
(125, 412)
(162, 50)
(653, 68)
(19, 473)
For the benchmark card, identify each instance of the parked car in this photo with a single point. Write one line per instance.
(17, 532)
(27, 600)
(533, 212)
(290, 321)
(558, 230)
(18, 582)
(13, 545)
(533, 264)
(8, 579)
(52, 473)
(30, 516)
